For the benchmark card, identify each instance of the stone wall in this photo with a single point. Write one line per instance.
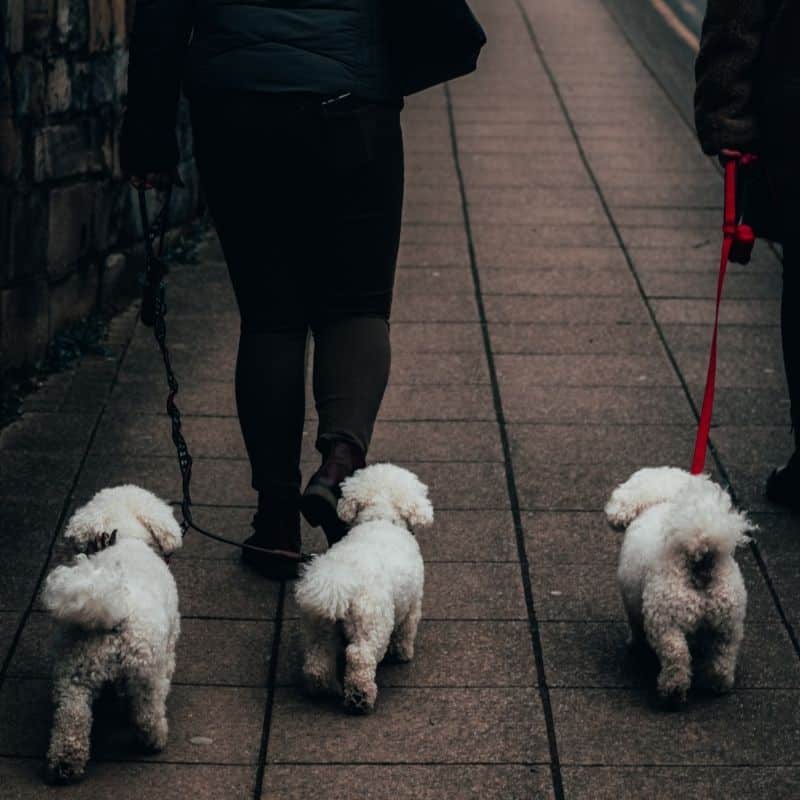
(68, 221)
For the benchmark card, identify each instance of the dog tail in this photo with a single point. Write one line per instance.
(645, 488)
(325, 589)
(705, 528)
(87, 595)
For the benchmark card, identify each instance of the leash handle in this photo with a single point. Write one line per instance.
(737, 245)
(155, 268)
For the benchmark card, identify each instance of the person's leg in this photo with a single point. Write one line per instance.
(270, 400)
(352, 359)
(249, 163)
(360, 218)
(790, 332)
(783, 486)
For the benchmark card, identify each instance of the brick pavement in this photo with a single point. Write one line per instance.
(550, 336)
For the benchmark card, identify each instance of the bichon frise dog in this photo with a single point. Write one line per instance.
(681, 586)
(364, 595)
(118, 606)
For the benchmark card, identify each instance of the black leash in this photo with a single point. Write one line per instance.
(153, 315)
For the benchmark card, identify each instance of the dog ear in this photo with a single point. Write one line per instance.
(418, 513)
(348, 507)
(410, 498)
(158, 518)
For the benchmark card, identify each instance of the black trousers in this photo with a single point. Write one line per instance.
(307, 201)
(790, 329)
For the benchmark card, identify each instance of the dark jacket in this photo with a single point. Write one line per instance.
(726, 71)
(748, 87)
(328, 47)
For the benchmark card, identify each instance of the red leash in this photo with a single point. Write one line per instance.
(737, 246)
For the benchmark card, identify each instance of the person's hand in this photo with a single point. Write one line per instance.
(157, 180)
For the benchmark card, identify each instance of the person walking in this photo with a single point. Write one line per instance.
(298, 144)
(748, 99)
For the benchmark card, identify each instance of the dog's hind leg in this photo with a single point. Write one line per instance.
(675, 677)
(70, 746)
(368, 641)
(719, 668)
(321, 645)
(148, 697)
(405, 633)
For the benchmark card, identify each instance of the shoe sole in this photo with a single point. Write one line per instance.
(318, 506)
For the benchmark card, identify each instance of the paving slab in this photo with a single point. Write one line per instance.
(408, 782)
(561, 309)
(24, 779)
(466, 402)
(437, 337)
(517, 371)
(565, 537)
(223, 589)
(224, 652)
(436, 441)
(595, 405)
(469, 535)
(690, 783)
(437, 308)
(205, 398)
(43, 432)
(637, 733)
(458, 726)
(520, 338)
(533, 444)
(576, 281)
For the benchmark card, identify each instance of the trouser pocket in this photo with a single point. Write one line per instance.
(352, 131)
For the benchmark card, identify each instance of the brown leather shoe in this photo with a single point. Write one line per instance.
(277, 537)
(322, 494)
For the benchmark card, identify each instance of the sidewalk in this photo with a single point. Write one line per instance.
(550, 332)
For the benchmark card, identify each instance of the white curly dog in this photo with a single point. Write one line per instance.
(118, 605)
(364, 595)
(681, 586)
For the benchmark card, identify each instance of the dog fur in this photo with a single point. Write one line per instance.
(118, 608)
(363, 597)
(681, 586)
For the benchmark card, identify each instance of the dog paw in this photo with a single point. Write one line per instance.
(65, 772)
(155, 740)
(401, 653)
(673, 697)
(720, 684)
(360, 701)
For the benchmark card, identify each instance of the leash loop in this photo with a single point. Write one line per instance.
(738, 239)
